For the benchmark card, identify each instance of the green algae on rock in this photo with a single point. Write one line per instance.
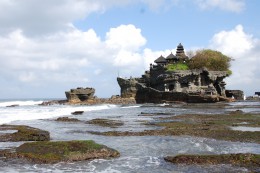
(208, 126)
(67, 119)
(61, 151)
(23, 133)
(247, 160)
(106, 122)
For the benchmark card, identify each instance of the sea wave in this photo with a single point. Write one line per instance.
(20, 103)
(8, 115)
(126, 107)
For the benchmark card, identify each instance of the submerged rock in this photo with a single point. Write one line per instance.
(77, 112)
(23, 133)
(15, 105)
(60, 151)
(106, 122)
(67, 119)
(208, 126)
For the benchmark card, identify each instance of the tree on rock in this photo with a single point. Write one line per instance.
(212, 60)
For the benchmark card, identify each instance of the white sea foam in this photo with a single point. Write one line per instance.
(126, 107)
(34, 112)
(20, 103)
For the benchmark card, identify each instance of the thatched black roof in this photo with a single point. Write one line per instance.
(171, 57)
(161, 59)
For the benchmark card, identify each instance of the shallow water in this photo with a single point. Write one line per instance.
(138, 154)
(243, 128)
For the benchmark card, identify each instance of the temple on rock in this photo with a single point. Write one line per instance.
(180, 56)
(159, 84)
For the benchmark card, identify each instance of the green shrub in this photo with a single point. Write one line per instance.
(212, 60)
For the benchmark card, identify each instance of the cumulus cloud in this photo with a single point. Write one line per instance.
(70, 58)
(43, 54)
(244, 49)
(227, 5)
(126, 37)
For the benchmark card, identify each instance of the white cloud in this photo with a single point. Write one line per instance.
(227, 5)
(244, 48)
(126, 37)
(40, 47)
(70, 58)
(235, 42)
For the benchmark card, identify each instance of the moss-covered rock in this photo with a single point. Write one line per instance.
(23, 133)
(209, 126)
(67, 119)
(61, 151)
(248, 160)
(106, 122)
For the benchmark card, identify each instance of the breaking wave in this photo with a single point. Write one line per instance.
(29, 110)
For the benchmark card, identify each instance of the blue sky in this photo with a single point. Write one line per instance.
(49, 47)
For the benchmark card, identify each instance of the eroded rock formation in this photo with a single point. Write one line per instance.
(80, 94)
(162, 85)
(236, 94)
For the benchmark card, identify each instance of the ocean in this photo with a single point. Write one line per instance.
(141, 154)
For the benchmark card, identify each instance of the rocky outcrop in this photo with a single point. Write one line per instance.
(80, 94)
(60, 151)
(16, 133)
(128, 87)
(170, 79)
(144, 94)
(236, 94)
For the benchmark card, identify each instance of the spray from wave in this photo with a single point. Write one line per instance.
(33, 112)
(19, 103)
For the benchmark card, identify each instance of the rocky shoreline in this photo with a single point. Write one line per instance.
(208, 126)
(214, 126)
(94, 101)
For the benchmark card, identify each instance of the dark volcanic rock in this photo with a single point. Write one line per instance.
(61, 151)
(53, 102)
(23, 133)
(77, 112)
(15, 105)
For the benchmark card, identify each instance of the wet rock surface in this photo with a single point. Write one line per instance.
(60, 151)
(106, 122)
(248, 160)
(67, 119)
(93, 101)
(209, 126)
(22, 133)
(77, 112)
